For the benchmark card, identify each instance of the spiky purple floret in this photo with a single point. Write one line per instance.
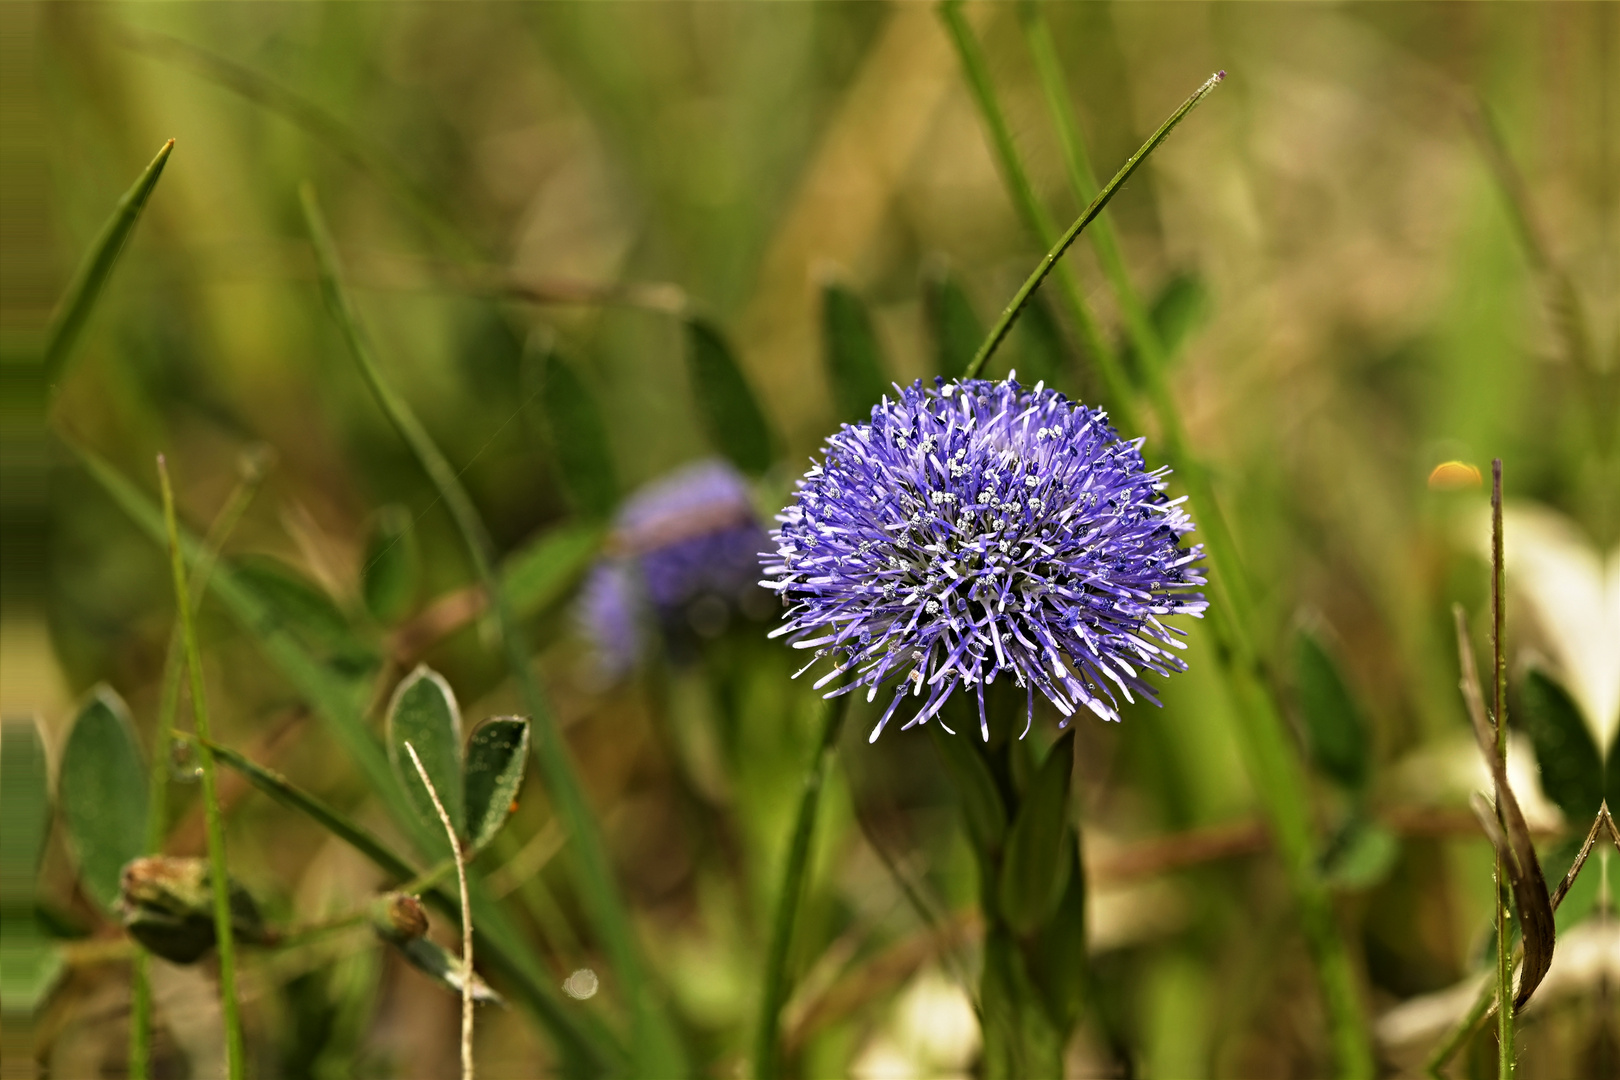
(684, 549)
(978, 529)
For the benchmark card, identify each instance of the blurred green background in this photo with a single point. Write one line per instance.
(1355, 303)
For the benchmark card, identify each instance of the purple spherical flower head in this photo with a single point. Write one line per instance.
(685, 547)
(980, 529)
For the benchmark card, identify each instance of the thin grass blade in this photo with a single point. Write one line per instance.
(74, 309)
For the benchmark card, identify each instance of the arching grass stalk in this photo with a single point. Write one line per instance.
(774, 991)
(1036, 218)
(236, 504)
(656, 1046)
(1083, 183)
(466, 918)
(235, 1051)
(1263, 740)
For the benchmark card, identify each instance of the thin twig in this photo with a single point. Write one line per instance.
(466, 918)
(1504, 962)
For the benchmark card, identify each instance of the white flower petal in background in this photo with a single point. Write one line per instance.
(1572, 594)
(1445, 772)
(934, 1033)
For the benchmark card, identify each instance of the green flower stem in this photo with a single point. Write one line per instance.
(157, 785)
(73, 311)
(1036, 218)
(235, 1051)
(774, 992)
(656, 1045)
(1504, 958)
(1269, 757)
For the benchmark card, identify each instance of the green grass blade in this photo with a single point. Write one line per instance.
(101, 787)
(655, 1042)
(225, 940)
(576, 434)
(774, 992)
(732, 417)
(852, 353)
(1144, 336)
(391, 575)
(73, 311)
(253, 467)
(979, 79)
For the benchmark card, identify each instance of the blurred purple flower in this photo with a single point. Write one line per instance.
(982, 528)
(685, 550)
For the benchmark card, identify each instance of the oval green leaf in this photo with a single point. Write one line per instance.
(1334, 729)
(732, 417)
(1571, 770)
(1034, 869)
(102, 789)
(25, 807)
(852, 354)
(423, 712)
(576, 434)
(496, 756)
(390, 577)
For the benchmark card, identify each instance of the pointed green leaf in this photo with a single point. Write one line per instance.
(423, 712)
(444, 967)
(1571, 771)
(1361, 855)
(102, 789)
(955, 326)
(25, 809)
(495, 758)
(732, 417)
(1177, 310)
(1058, 963)
(73, 311)
(852, 354)
(307, 612)
(1335, 731)
(1034, 869)
(542, 572)
(576, 434)
(390, 576)
(975, 786)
